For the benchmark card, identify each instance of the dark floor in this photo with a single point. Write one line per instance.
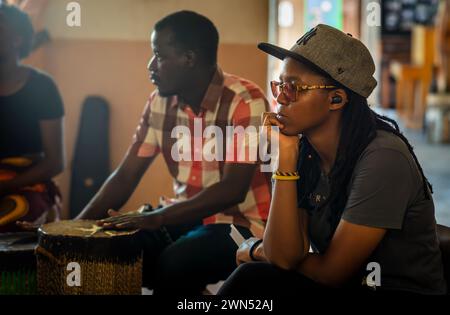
(435, 161)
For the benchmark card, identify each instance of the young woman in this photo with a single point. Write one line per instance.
(350, 187)
(31, 142)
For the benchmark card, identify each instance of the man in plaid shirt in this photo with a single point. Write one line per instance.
(193, 95)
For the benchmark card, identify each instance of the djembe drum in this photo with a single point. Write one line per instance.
(110, 262)
(18, 263)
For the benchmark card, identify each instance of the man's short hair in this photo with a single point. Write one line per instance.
(20, 22)
(192, 31)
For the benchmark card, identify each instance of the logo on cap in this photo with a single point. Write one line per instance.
(307, 36)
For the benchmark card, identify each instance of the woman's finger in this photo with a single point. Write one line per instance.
(270, 119)
(265, 116)
(272, 122)
(27, 226)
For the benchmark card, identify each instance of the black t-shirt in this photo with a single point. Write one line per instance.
(386, 191)
(20, 114)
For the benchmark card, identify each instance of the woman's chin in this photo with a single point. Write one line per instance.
(289, 132)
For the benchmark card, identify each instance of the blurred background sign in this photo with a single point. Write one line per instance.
(323, 12)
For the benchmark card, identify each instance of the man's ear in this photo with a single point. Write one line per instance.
(190, 57)
(338, 99)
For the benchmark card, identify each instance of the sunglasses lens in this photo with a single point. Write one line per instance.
(275, 87)
(289, 91)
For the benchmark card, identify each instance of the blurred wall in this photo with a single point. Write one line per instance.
(371, 37)
(108, 55)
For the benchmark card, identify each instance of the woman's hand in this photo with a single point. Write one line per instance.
(243, 252)
(28, 226)
(132, 220)
(288, 145)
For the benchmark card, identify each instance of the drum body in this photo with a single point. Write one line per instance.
(18, 263)
(75, 257)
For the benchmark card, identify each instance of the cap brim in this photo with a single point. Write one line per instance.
(273, 50)
(282, 53)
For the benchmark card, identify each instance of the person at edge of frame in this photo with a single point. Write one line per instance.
(350, 187)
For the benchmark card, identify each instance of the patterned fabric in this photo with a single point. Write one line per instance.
(230, 101)
(35, 203)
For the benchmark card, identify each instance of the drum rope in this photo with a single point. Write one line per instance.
(43, 252)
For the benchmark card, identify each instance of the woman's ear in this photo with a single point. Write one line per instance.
(338, 98)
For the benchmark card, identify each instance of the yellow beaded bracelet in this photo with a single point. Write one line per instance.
(281, 177)
(280, 173)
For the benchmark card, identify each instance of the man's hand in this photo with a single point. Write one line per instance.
(243, 252)
(132, 220)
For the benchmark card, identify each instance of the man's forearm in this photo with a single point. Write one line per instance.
(42, 171)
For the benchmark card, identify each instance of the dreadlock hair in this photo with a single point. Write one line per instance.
(359, 127)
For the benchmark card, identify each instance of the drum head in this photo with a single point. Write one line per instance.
(84, 238)
(80, 228)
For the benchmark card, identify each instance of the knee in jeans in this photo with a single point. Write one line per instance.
(171, 266)
(250, 270)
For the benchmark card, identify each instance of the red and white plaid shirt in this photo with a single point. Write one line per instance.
(229, 101)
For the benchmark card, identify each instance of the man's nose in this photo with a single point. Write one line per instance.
(151, 64)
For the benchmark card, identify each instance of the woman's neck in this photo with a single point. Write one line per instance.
(325, 141)
(13, 77)
(9, 70)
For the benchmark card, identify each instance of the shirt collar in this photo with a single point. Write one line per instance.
(212, 95)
